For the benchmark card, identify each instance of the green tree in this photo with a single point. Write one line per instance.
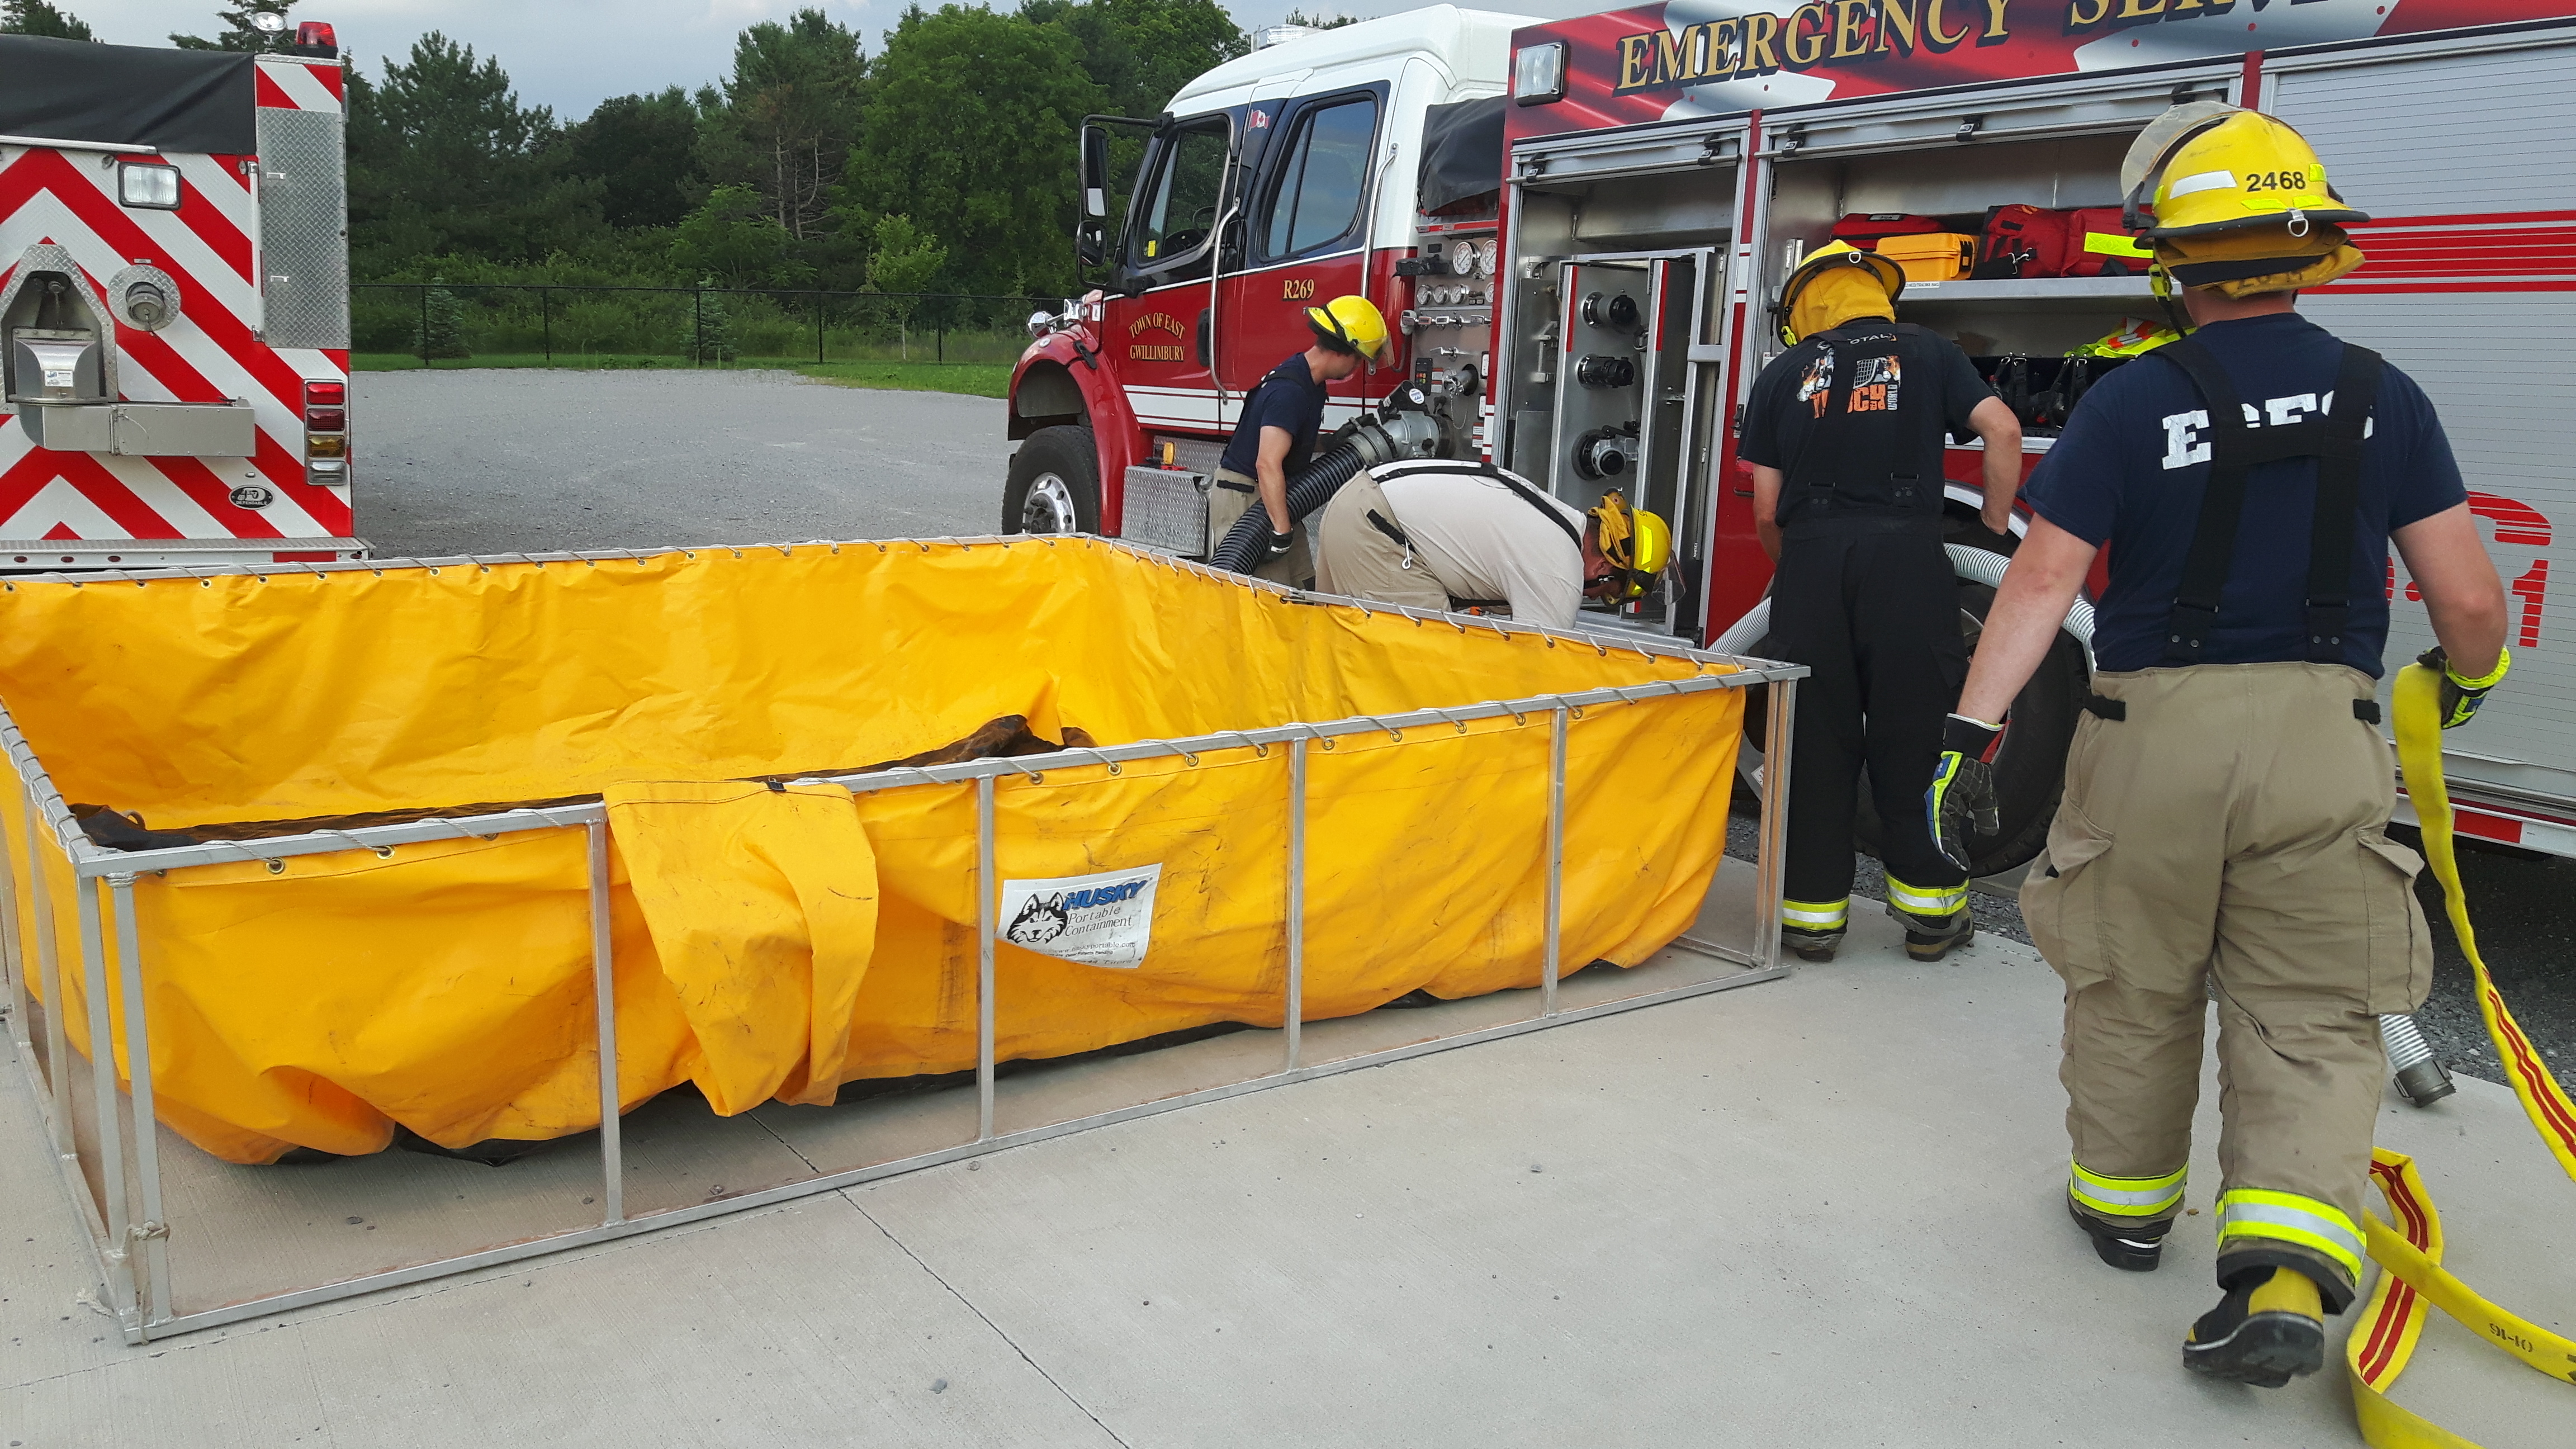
(441, 333)
(971, 119)
(443, 160)
(35, 17)
(1141, 52)
(787, 116)
(734, 239)
(1318, 22)
(904, 260)
(643, 150)
(239, 33)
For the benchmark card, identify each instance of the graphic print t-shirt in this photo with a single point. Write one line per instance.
(1927, 376)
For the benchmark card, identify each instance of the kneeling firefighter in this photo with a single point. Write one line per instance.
(2225, 796)
(1275, 436)
(1844, 432)
(1442, 534)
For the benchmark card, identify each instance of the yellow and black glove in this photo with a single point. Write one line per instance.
(2461, 697)
(1962, 797)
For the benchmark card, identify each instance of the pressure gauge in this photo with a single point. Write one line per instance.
(1462, 259)
(1489, 255)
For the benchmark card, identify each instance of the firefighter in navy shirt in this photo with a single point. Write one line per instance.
(1845, 432)
(1275, 437)
(2221, 831)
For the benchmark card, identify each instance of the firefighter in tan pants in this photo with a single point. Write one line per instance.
(2225, 798)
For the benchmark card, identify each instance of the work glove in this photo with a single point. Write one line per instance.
(1961, 801)
(1279, 544)
(2461, 697)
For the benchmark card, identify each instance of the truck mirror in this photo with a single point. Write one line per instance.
(1095, 171)
(1088, 248)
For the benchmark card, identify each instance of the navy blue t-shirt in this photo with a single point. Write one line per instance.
(2133, 464)
(1289, 398)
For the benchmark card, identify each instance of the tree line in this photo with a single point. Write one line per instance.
(942, 163)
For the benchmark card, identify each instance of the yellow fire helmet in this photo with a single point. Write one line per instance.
(1351, 324)
(2206, 167)
(1822, 261)
(1635, 542)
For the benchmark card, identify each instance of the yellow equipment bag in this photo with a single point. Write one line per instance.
(775, 942)
(2411, 1253)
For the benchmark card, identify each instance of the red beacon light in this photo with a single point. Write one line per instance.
(317, 35)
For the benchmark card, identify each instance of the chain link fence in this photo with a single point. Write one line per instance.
(604, 326)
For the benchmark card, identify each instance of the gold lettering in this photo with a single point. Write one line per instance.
(1720, 57)
(2132, 10)
(1994, 23)
(1760, 31)
(1896, 19)
(1805, 47)
(1942, 40)
(2076, 15)
(2182, 5)
(1848, 38)
(1672, 56)
(1154, 352)
(1635, 54)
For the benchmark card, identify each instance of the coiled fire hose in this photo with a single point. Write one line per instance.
(2411, 1253)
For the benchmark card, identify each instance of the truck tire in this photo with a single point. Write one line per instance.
(2030, 772)
(1054, 484)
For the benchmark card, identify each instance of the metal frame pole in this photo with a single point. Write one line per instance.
(603, 985)
(1555, 860)
(1293, 1014)
(986, 907)
(546, 316)
(152, 1300)
(1781, 719)
(49, 961)
(13, 954)
(111, 1136)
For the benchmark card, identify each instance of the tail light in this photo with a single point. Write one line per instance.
(326, 433)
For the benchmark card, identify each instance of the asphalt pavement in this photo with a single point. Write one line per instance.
(526, 461)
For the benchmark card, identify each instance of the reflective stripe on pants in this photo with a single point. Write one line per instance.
(2253, 1212)
(1816, 915)
(1941, 902)
(2126, 1197)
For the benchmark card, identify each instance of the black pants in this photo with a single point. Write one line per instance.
(1871, 607)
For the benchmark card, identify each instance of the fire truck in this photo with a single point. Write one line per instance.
(1580, 226)
(174, 306)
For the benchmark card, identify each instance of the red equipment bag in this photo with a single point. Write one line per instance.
(1861, 228)
(2021, 241)
(2098, 244)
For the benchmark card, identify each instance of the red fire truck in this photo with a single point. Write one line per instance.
(174, 306)
(1580, 226)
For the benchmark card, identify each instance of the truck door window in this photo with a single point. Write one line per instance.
(1321, 178)
(1181, 202)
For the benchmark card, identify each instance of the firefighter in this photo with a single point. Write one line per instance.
(1275, 437)
(2221, 834)
(1446, 535)
(1845, 432)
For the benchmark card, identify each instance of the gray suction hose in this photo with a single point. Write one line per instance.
(1405, 435)
(2420, 1074)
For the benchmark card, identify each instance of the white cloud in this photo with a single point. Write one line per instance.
(571, 54)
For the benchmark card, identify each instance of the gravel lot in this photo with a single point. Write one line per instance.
(522, 461)
(527, 461)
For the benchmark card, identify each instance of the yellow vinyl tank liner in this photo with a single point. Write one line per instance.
(782, 918)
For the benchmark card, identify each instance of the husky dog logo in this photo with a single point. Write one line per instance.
(1042, 920)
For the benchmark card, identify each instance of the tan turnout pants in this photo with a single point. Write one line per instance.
(1236, 495)
(2228, 832)
(1359, 561)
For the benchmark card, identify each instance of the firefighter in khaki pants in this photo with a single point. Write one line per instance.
(2226, 795)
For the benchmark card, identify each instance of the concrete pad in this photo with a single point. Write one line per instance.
(1820, 1211)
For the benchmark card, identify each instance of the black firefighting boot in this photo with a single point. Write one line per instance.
(2266, 1332)
(2131, 1247)
(1929, 938)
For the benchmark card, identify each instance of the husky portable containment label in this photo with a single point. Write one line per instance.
(1097, 920)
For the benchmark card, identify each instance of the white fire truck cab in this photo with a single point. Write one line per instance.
(1580, 226)
(174, 306)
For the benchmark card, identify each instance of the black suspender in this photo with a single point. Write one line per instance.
(1526, 493)
(2235, 448)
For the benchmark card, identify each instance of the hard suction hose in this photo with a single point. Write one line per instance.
(1374, 441)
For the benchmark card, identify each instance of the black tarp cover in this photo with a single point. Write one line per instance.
(127, 95)
(1462, 151)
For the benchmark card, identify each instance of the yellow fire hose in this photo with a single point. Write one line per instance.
(2411, 1253)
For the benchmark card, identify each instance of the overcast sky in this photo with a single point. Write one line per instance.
(570, 54)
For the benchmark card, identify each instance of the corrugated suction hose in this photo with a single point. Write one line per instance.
(1374, 442)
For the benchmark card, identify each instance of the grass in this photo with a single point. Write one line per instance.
(974, 379)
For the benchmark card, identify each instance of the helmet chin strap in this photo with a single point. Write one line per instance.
(2175, 316)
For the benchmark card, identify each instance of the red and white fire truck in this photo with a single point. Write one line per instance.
(174, 306)
(1581, 224)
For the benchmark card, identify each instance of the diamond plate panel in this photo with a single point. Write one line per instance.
(303, 228)
(1167, 508)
